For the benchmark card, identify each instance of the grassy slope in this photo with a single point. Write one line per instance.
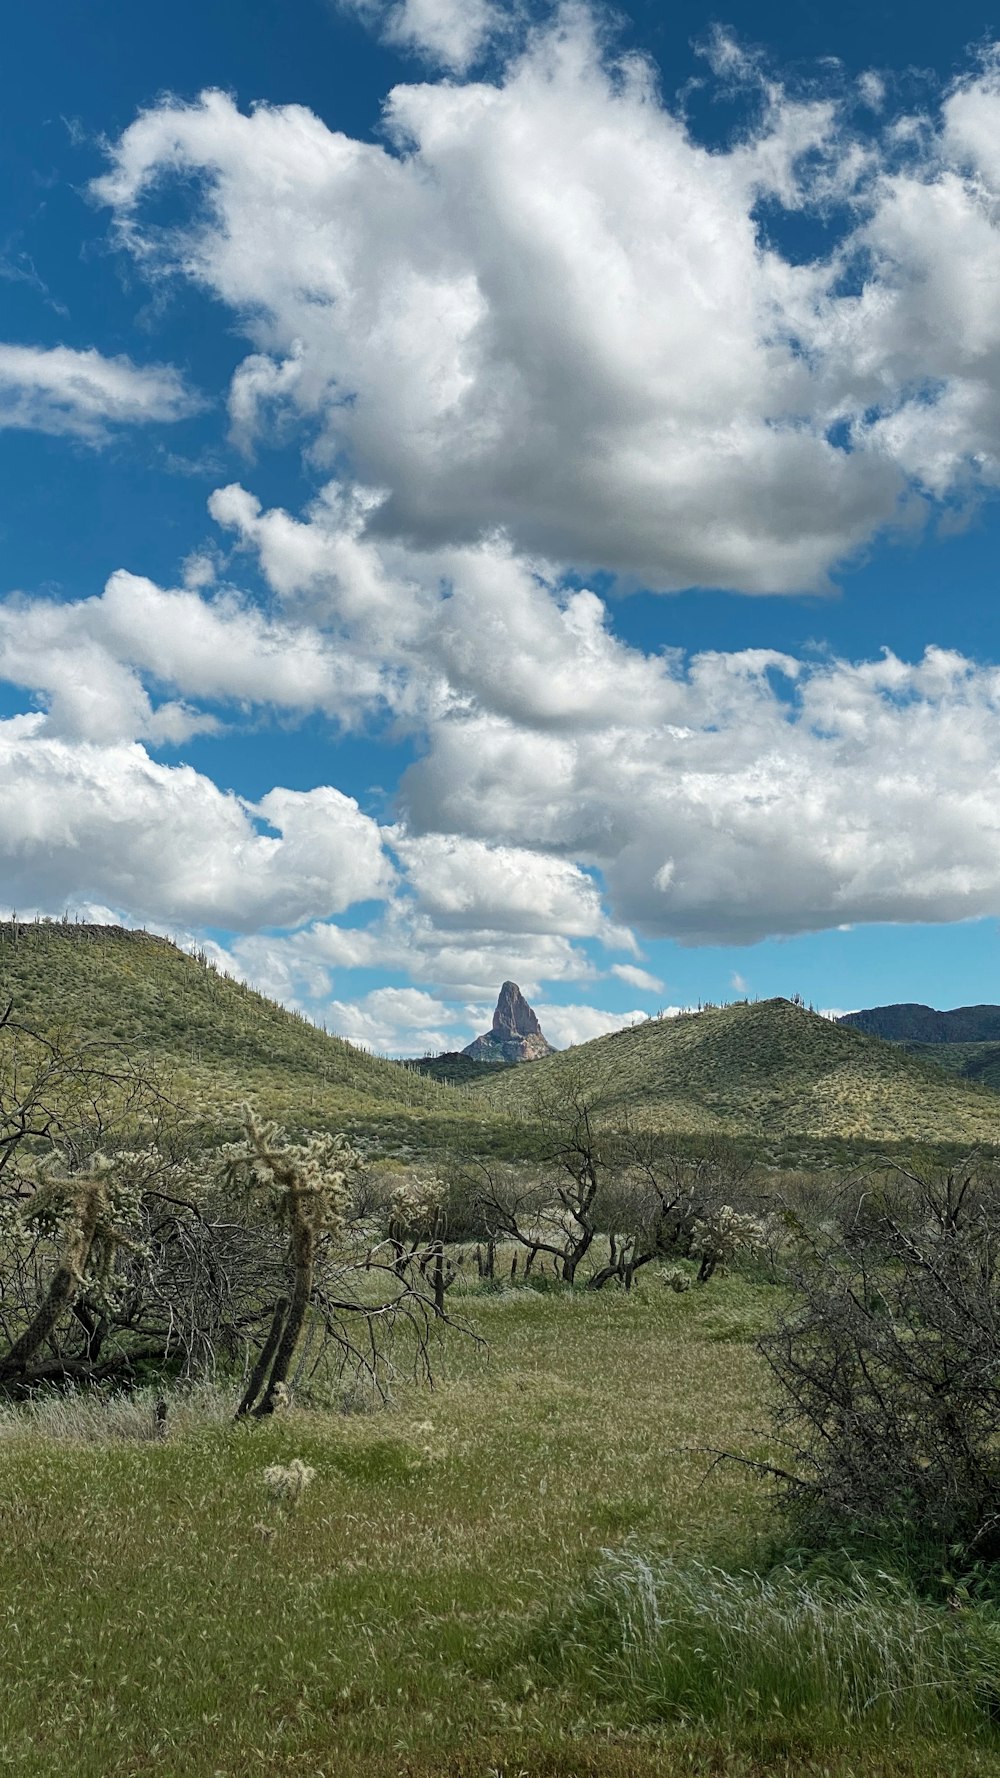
(158, 1617)
(768, 1070)
(978, 1062)
(220, 1042)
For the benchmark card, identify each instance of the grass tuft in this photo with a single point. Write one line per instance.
(668, 1641)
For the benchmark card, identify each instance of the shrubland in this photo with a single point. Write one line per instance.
(628, 1457)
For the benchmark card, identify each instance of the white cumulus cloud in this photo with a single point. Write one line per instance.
(452, 33)
(544, 307)
(107, 823)
(59, 390)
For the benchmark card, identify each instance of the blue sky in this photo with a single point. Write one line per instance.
(506, 491)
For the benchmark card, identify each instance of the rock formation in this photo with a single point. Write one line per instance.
(515, 1036)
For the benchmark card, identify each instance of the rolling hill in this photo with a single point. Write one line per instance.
(978, 1062)
(217, 1041)
(964, 1043)
(769, 1071)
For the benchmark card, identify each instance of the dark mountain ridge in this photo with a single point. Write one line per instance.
(911, 1022)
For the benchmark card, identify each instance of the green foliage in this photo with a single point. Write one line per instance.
(672, 1640)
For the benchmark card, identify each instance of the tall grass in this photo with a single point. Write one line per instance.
(93, 1417)
(674, 1641)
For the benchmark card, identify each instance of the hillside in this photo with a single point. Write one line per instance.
(770, 1071)
(977, 1062)
(455, 1067)
(909, 1022)
(216, 1040)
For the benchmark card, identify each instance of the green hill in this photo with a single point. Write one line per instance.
(964, 1043)
(218, 1041)
(978, 1062)
(770, 1072)
(456, 1068)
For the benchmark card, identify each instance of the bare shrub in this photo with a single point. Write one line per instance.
(120, 1262)
(605, 1179)
(888, 1364)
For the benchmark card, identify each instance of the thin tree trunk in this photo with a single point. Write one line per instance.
(267, 1352)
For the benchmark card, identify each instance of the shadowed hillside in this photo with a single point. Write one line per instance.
(963, 1043)
(216, 1040)
(768, 1071)
(910, 1022)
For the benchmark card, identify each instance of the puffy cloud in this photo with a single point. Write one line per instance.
(59, 390)
(401, 1021)
(108, 823)
(566, 1025)
(545, 307)
(453, 33)
(90, 660)
(569, 788)
(459, 965)
(781, 799)
(636, 977)
(543, 326)
(470, 885)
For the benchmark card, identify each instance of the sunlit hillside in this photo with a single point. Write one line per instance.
(769, 1070)
(218, 1041)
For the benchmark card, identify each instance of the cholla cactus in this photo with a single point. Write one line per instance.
(720, 1234)
(91, 1216)
(288, 1482)
(415, 1207)
(675, 1278)
(308, 1179)
(308, 1187)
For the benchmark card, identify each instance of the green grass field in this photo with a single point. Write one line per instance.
(438, 1605)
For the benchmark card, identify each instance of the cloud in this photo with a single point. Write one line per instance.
(539, 327)
(93, 662)
(569, 789)
(452, 33)
(107, 823)
(781, 798)
(637, 978)
(543, 307)
(566, 1025)
(466, 884)
(84, 395)
(401, 1021)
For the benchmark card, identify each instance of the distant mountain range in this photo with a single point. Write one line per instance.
(909, 1022)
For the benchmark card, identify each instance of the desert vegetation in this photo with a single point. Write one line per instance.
(627, 1453)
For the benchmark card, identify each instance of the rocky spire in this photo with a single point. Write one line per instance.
(515, 1035)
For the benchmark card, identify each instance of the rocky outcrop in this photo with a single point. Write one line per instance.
(515, 1035)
